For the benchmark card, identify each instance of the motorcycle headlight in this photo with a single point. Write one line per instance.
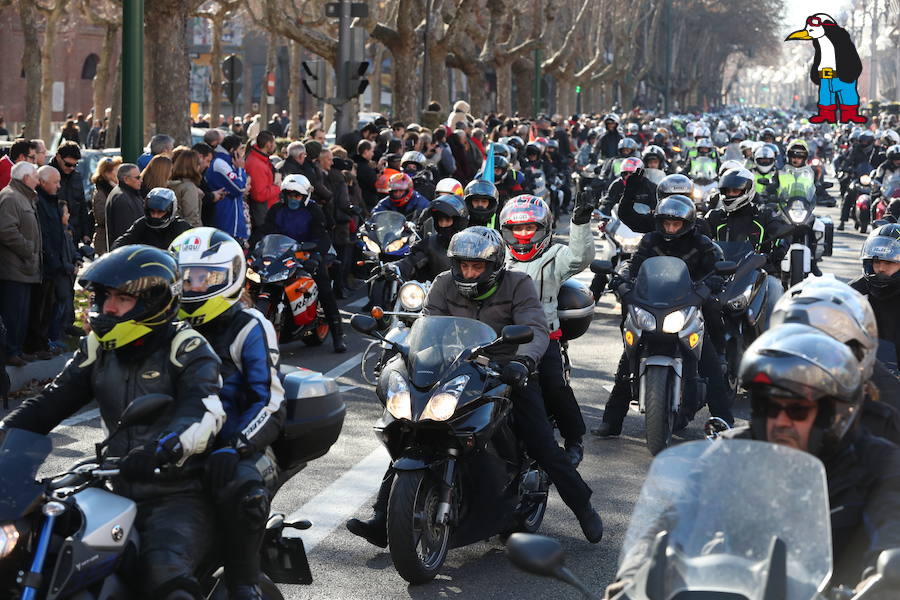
(797, 212)
(398, 399)
(9, 537)
(675, 320)
(816, 162)
(643, 319)
(443, 404)
(865, 180)
(280, 276)
(697, 194)
(396, 244)
(370, 245)
(741, 302)
(412, 296)
(252, 275)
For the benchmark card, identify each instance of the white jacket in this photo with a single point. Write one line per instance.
(555, 265)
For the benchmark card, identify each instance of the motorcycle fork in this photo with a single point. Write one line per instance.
(442, 516)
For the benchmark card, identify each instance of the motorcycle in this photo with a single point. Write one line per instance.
(386, 237)
(809, 237)
(862, 188)
(587, 179)
(283, 289)
(823, 198)
(677, 547)
(461, 473)
(70, 536)
(703, 174)
(663, 332)
(538, 181)
(619, 242)
(888, 192)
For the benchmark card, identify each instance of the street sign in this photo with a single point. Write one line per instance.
(232, 67)
(357, 10)
(270, 84)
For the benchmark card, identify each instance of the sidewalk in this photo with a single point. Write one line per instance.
(39, 370)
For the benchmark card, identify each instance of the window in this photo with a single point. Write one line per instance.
(89, 68)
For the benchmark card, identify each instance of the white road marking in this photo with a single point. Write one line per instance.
(356, 303)
(338, 371)
(328, 509)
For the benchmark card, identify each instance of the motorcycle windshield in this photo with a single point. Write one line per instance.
(274, 246)
(21, 454)
(435, 342)
(721, 528)
(800, 190)
(735, 251)
(703, 170)
(386, 227)
(891, 188)
(663, 281)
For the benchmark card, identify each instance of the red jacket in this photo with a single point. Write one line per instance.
(262, 177)
(6, 165)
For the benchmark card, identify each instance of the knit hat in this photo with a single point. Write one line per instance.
(313, 149)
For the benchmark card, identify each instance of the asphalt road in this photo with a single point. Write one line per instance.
(343, 483)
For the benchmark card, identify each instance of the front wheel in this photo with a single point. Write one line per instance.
(418, 544)
(796, 272)
(659, 417)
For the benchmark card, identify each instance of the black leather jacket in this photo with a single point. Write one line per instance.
(885, 308)
(175, 360)
(426, 259)
(141, 233)
(695, 249)
(640, 191)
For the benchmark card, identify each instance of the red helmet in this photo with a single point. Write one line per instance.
(631, 165)
(526, 210)
(401, 189)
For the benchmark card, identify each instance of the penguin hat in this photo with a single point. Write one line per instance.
(836, 67)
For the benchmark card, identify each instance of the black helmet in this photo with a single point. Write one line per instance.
(515, 143)
(502, 163)
(767, 132)
(800, 361)
(675, 208)
(674, 184)
(449, 205)
(481, 188)
(500, 149)
(893, 153)
(482, 244)
(628, 144)
(893, 208)
(163, 199)
(533, 149)
(866, 139)
(884, 244)
(147, 273)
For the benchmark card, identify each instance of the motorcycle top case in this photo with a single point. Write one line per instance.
(315, 416)
(575, 309)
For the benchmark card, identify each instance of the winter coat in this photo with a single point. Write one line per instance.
(71, 191)
(228, 213)
(98, 213)
(262, 177)
(190, 200)
(124, 206)
(20, 234)
(53, 235)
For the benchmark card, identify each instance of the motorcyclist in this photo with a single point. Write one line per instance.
(629, 189)
(527, 229)
(240, 472)
(858, 162)
(479, 286)
(483, 201)
(796, 170)
(414, 164)
(675, 235)
(448, 185)
(402, 198)
(508, 181)
(697, 159)
(159, 225)
(627, 148)
(560, 164)
(608, 144)
(764, 170)
(298, 216)
(655, 164)
(134, 349)
(806, 392)
(428, 257)
(891, 165)
(880, 282)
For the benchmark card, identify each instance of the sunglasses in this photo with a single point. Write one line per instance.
(817, 22)
(795, 412)
(70, 165)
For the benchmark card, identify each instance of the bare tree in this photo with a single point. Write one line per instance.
(31, 64)
(53, 13)
(217, 12)
(108, 15)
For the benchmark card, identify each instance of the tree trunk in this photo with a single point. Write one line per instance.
(271, 56)
(503, 69)
(51, 26)
(437, 76)
(478, 89)
(524, 74)
(166, 44)
(565, 92)
(294, 90)
(31, 64)
(215, 72)
(101, 79)
(376, 79)
(115, 111)
(405, 90)
(627, 86)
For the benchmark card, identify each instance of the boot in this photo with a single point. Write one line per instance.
(591, 524)
(373, 530)
(605, 430)
(337, 336)
(575, 453)
(245, 592)
(840, 226)
(826, 114)
(849, 114)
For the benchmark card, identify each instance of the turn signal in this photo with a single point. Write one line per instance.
(377, 312)
(629, 338)
(693, 339)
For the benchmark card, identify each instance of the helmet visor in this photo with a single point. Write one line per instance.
(882, 248)
(203, 281)
(472, 247)
(765, 162)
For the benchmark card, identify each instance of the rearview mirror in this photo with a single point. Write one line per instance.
(144, 409)
(763, 181)
(537, 554)
(364, 324)
(889, 567)
(601, 266)
(307, 246)
(726, 267)
(516, 334)
(827, 185)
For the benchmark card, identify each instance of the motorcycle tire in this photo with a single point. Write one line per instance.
(659, 420)
(531, 522)
(265, 306)
(418, 549)
(796, 273)
(316, 337)
(863, 222)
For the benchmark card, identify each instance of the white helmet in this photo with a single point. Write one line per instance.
(764, 157)
(730, 165)
(737, 179)
(296, 183)
(414, 157)
(448, 185)
(213, 267)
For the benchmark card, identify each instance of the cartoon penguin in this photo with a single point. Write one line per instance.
(835, 69)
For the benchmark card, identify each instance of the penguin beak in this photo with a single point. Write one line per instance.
(802, 34)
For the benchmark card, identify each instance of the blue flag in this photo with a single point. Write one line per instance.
(487, 170)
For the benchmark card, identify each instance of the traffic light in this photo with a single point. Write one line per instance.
(314, 78)
(356, 80)
(577, 89)
(232, 70)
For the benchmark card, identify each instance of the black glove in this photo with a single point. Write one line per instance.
(220, 467)
(139, 464)
(516, 371)
(168, 449)
(715, 283)
(584, 208)
(632, 181)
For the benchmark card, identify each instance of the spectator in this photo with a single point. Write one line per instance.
(462, 154)
(4, 132)
(446, 166)
(71, 133)
(460, 114)
(313, 173)
(43, 293)
(71, 191)
(252, 127)
(104, 180)
(84, 127)
(477, 140)
(210, 197)
(351, 139)
(124, 205)
(275, 127)
(366, 175)
(20, 151)
(317, 134)
(345, 212)
(159, 144)
(40, 153)
(64, 288)
(213, 137)
(20, 256)
(93, 136)
(398, 129)
(293, 164)
(264, 183)
(431, 116)
(157, 173)
(227, 172)
(186, 178)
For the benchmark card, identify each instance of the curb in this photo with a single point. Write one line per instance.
(39, 370)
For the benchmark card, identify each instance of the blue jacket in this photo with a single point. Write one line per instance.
(251, 394)
(416, 205)
(228, 213)
(143, 160)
